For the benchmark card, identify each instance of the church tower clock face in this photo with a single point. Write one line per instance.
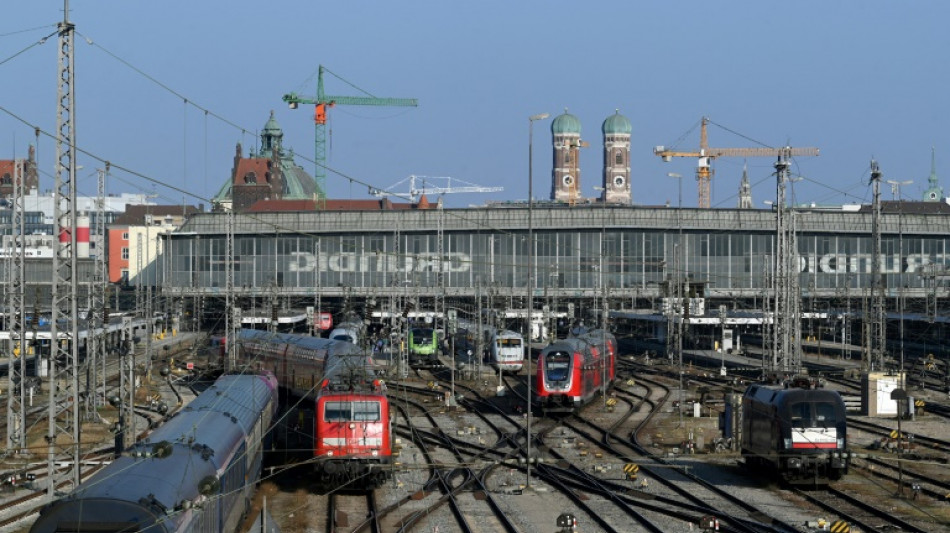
(568, 180)
(619, 182)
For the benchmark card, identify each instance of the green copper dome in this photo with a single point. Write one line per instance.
(615, 124)
(566, 123)
(272, 127)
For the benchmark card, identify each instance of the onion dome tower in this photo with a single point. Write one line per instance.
(616, 130)
(271, 137)
(566, 172)
(268, 174)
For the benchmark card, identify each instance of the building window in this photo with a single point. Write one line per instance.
(125, 253)
(618, 160)
(125, 277)
(125, 235)
(6, 180)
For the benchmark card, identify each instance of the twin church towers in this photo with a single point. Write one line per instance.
(566, 179)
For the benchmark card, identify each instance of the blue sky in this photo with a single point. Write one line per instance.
(857, 79)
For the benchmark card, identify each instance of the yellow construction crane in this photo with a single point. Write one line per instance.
(704, 172)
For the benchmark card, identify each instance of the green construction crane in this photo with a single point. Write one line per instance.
(322, 103)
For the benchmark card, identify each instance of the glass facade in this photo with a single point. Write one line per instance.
(567, 261)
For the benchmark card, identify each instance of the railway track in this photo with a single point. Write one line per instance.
(462, 458)
(21, 508)
(859, 513)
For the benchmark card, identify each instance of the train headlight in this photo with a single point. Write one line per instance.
(330, 453)
(375, 453)
(795, 463)
(352, 426)
(841, 443)
(787, 443)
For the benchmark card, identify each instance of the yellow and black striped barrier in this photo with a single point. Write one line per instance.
(896, 435)
(919, 405)
(631, 470)
(840, 526)
(631, 382)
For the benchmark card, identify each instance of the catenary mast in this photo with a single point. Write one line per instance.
(64, 421)
(876, 325)
(16, 325)
(786, 318)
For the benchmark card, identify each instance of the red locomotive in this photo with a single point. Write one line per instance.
(352, 445)
(570, 372)
(353, 433)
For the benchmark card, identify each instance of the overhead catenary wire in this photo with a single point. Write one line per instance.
(152, 79)
(37, 43)
(26, 30)
(457, 214)
(188, 101)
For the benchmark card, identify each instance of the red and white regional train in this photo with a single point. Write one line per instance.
(352, 444)
(571, 371)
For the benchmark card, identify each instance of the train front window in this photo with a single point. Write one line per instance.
(557, 361)
(360, 411)
(337, 411)
(556, 365)
(366, 411)
(825, 413)
(810, 414)
(509, 343)
(422, 336)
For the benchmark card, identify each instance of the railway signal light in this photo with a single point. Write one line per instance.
(453, 321)
(709, 523)
(566, 522)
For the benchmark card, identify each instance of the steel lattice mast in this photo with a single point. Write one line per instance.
(102, 276)
(16, 325)
(786, 318)
(64, 422)
(95, 316)
(232, 325)
(877, 330)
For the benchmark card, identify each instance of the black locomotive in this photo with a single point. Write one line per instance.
(799, 432)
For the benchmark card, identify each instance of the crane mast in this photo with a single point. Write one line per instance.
(322, 102)
(706, 155)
